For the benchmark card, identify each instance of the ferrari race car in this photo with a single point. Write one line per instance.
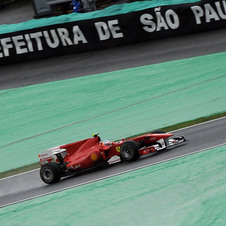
(69, 159)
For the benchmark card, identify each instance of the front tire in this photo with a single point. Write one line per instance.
(129, 151)
(158, 132)
(50, 173)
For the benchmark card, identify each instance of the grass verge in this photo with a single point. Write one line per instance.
(166, 129)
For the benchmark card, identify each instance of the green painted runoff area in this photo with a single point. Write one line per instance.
(186, 191)
(189, 190)
(109, 11)
(116, 104)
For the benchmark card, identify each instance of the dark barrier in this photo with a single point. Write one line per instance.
(105, 32)
(5, 2)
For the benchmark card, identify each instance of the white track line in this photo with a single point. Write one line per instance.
(113, 175)
(19, 174)
(188, 127)
(199, 124)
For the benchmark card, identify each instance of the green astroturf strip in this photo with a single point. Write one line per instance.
(187, 191)
(116, 104)
(110, 11)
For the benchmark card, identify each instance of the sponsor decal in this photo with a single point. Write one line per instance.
(118, 148)
(114, 159)
(94, 156)
(75, 167)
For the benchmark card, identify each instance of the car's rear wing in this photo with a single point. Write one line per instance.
(51, 155)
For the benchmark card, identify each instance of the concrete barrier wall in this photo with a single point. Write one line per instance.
(110, 31)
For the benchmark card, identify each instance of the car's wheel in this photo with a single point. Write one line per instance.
(129, 151)
(158, 132)
(50, 173)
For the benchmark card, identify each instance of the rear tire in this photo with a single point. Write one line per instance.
(129, 151)
(50, 173)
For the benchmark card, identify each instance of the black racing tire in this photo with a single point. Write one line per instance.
(50, 173)
(158, 132)
(129, 151)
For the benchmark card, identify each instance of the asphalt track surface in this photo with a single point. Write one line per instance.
(71, 66)
(29, 185)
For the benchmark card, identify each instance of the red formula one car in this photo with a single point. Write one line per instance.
(70, 159)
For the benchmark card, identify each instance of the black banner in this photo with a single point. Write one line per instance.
(105, 32)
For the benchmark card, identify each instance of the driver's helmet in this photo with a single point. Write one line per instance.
(107, 142)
